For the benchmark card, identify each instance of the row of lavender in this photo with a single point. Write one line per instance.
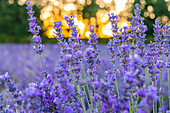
(133, 84)
(20, 61)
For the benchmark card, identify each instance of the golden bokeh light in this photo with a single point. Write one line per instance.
(120, 5)
(21, 2)
(106, 30)
(164, 19)
(69, 7)
(150, 8)
(107, 1)
(50, 32)
(55, 10)
(87, 34)
(146, 14)
(152, 16)
(10, 1)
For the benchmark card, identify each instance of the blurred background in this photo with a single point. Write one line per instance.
(14, 24)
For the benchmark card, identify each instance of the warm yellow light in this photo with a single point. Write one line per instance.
(143, 2)
(124, 24)
(56, 3)
(70, 0)
(107, 1)
(69, 7)
(131, 1)
(106, 30)
(101, 5)
(50, 32)
(120, 5)
(146, 14)
(10, 1)
(93, 20)
(152, 16)
(88, 2)
(45, 15)
(164, 19)
(169, 8)
(81, 26)
(87, 34)
(81, 2)
(55, 10)
(21, 2)
(49, 8)
(150, 8)
(104, 18)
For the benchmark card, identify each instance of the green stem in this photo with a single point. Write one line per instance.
(153, 108)
(117, 87)
(160, 104)
(130, 108)
(133, 98)
(98, 108)
(147, 78)
(155, 101)
(162, 93)
(82, 104)
(136, 106)
(88, 91)
(168, 82)
(84, 74)
(42, 65)
(101, 72)
(87, 100)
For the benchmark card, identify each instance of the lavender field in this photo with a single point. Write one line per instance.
(123, 76)
(24, 65)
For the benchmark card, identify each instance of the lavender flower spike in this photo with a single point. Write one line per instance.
(35, 30)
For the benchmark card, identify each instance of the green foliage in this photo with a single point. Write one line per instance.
(13, 22)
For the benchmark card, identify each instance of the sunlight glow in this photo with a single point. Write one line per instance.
(87, 34)
(120, 5)
(50, 32)
(57, 9)
(107, 1)
(124, 24)
(106, 30)
(45, 16)
(69, 7)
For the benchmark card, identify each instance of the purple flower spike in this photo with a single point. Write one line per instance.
(34, 29)
(157, 31)
(166, 34)
(58, 30)
(93, 43)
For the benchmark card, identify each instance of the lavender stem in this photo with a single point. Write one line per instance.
(162, 93)
(101, 72)
(83, 106)
(88, 91)
(42, 65)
